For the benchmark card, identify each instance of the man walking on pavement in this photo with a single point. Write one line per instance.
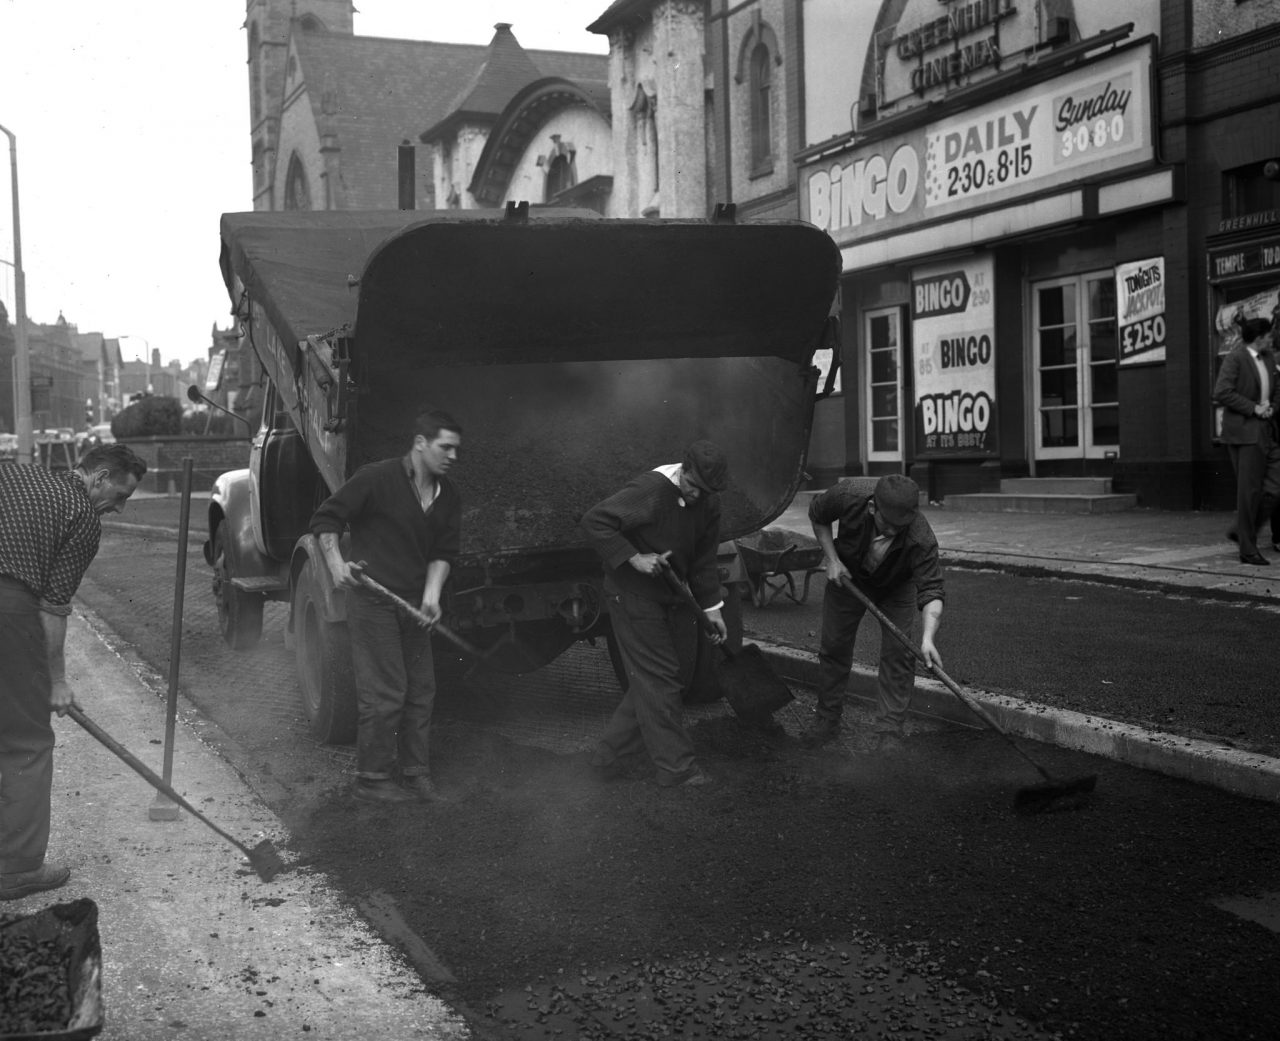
(1248, 392)
(49, 535)
(665, 519)
(405, 518)
(882, 544)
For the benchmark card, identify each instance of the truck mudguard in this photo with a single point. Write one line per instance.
(231, 512)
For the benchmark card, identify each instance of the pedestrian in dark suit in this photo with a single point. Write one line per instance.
(1248, 391)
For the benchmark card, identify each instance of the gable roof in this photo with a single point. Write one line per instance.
(506, 69)
(91, 345)
(372, 93)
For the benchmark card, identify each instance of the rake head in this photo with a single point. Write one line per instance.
(1055, 796)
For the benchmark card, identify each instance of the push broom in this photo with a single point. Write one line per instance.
(1052, 793)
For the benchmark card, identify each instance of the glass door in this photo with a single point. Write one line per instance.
(883, 340)
(1077, 379)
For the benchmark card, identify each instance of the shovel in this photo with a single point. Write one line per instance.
(517, 659)
(1053, 794)
(749, 684)
(263, 857)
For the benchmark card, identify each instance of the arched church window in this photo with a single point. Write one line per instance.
(255, 75)
(761, 85)
(297, 192)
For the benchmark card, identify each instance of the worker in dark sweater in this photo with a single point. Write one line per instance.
(882, 543)
(666, 518)
(405, 519)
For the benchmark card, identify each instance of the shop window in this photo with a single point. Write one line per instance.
(1252, 189)
(1077, 379)
(883, 340)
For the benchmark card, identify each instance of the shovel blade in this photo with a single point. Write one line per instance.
(265, 860)
(750, 686)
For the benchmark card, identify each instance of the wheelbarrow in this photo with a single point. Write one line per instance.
(772, 558)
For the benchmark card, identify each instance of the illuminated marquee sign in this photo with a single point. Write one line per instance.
(1089, 121)
(951, 30)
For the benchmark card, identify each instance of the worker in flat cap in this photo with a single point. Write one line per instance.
(666, 519)
(878, 540)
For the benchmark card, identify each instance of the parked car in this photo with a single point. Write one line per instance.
(98, 434)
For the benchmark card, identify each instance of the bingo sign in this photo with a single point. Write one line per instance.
(1140, 311)
(1085, 123)
(953, 336)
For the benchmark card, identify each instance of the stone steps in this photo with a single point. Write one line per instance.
(1047, 495)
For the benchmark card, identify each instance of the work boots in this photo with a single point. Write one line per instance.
(823, 731)
(421, 788)
(17, 884)
(368, 790)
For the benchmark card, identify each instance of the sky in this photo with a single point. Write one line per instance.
(132, 126)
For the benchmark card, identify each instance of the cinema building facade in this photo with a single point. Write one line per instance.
(1048, 219)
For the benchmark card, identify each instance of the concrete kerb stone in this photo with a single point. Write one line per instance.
(1191, 759)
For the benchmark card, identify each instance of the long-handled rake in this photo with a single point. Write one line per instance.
(1054, 793)
(263, 858)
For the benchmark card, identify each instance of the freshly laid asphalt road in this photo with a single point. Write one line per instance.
(1182, 554)
(195, 948)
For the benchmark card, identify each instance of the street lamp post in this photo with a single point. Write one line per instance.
(22, 355)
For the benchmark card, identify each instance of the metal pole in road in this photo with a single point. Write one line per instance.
(22, 355)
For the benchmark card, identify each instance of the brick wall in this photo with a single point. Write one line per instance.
(210, 456)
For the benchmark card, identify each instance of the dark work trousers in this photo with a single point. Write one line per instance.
(1257, 470)
(658, 644)
(842, 613)
(395, 689)
(26, 731)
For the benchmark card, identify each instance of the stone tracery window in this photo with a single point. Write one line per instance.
(297, 191)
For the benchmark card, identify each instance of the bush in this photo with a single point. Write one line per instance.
(200, 423)
(149, 417)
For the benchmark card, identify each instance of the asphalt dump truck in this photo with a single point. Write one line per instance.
(576, 352)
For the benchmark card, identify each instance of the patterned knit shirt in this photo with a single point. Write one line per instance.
(49, 532)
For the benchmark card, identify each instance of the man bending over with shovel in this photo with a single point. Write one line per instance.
(881, 544)
(49, 535)
(668, 518)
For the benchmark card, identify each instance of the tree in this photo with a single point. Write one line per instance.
(150, 416)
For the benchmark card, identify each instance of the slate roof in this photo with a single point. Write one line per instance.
(373, 93)
(91, 346)
(619, 12)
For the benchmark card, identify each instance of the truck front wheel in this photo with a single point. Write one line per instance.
(323, 655)
(239, 613)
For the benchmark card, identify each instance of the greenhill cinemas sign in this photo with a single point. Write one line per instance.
(1082, 124)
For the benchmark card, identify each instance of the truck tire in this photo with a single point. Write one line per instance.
(239, 613)
(323, 656)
